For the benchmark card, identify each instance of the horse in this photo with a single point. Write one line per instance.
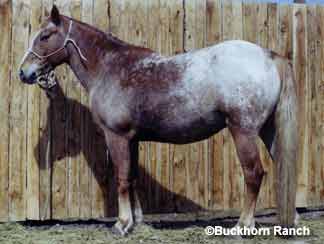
(136, 94)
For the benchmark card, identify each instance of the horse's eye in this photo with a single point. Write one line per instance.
(45, 37)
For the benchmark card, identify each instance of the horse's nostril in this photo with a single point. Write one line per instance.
(22, 75)
(33, 76)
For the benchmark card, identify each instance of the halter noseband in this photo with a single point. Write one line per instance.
(66, 41)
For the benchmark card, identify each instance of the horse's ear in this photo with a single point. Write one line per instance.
(55, 15)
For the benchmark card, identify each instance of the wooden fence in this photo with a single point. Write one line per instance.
(52, 157)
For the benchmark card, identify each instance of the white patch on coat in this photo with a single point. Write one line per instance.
(31, 69)
(237, 74)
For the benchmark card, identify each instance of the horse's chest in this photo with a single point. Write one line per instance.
(110, 112)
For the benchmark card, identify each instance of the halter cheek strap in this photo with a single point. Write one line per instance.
(66, 41)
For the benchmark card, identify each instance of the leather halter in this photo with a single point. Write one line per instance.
(66, 41)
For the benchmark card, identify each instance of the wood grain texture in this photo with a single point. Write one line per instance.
(267, 182)
(5, 50)
(44, 145)
(320, 98)
(99, 159)
(312, 38)
(226, 35)
(216, 175)
(317, 94)
(195, 23)
(235, 172)
(272, 44)
(300, 61)
(18, 114)
(85, 175)
(33, 120)
(59, 140)
(73, 132)
(177, 153)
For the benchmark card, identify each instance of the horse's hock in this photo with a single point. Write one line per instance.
(53, 158)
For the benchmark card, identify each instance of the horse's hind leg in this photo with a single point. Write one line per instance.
(248, 154)
(138, 213)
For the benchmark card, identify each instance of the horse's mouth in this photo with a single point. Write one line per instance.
(47, 80)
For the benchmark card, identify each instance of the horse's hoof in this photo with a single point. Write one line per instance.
(297, 218)
(117, 230)
(139, 219)
(248, 224)
(121, 228)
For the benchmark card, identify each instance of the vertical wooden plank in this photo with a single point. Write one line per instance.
(226, 35)
(273, 26)
(266, 187)
(311, 121)
(215, 176)
(203, 161)
(235, 170)
(99, 205)
(272, 45)
(250, 17)
(5, 49)
(151, 155)
(162, 172)
(285, 31)
(177, 153)
(318, 109)
(101, 18)
(255, 15)
(158, 36)
(232, 185)
(320, 88)
(300, 61)
(314, 79)
(195, 33)
(85, 160)
(18, 114)
(119, 27)
(44, 146)
(59, 140)
(73, 131)
(32, 186)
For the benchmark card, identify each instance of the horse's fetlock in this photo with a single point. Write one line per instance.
(123, 186)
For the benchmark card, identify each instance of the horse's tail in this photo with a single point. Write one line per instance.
(285, 144)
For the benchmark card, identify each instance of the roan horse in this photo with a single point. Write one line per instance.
(139, 95)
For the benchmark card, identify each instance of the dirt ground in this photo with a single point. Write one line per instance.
(157, 230)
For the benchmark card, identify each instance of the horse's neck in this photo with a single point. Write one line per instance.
(94, 45)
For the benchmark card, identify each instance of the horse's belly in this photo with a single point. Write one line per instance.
(184, 128)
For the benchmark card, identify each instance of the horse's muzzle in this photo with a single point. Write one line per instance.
(31, 79)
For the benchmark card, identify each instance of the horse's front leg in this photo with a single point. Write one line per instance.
(119, 148)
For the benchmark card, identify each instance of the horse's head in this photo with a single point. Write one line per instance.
(47, 50)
